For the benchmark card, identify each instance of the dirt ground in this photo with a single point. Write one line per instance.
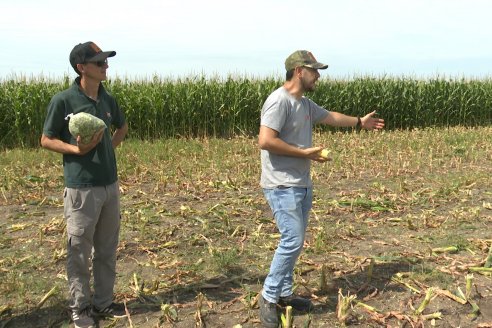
(172, 241)
(195, 253)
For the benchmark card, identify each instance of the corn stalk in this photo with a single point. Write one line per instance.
(367, 307)
(469, 283)
(431, 316)
(169, 312)
(428, 296)
(144, 294)
(475, 310)
(488, 262)
(199, 106)
(398, 279)
(323, 283)
(455, 298)
(198, 313)
(370, 270)
(344, 306)
(287, 318)
(128, 317)
(47, 296)
(482, 270)
(448, 249)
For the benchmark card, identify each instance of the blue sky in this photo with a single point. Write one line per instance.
(178, 38)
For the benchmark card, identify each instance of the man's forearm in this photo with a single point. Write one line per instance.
(341, 120)
(119, 135)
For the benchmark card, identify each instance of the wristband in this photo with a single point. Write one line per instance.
(359, 123)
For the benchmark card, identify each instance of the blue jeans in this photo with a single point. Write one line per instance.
(290, 207)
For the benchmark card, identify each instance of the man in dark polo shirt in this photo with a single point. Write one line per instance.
(91, 195)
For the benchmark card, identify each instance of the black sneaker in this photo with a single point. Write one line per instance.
(114, 310)
(83, 318)
(298, 303)
(268, 313)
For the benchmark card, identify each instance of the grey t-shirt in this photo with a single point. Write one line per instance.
(293, 119)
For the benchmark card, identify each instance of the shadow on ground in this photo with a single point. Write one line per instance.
(224, 292)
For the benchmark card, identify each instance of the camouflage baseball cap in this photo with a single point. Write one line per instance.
(303, 58)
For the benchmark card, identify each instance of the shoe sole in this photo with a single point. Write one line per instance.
(109, 316)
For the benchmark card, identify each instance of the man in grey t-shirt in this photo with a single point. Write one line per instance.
(285, 139)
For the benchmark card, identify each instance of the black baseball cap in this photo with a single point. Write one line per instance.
(88, 52)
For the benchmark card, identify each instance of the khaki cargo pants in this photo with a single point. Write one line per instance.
(93, 225)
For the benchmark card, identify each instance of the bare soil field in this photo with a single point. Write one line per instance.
(387, 229)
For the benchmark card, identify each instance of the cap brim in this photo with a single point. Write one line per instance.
(102, 56)
(318, 66)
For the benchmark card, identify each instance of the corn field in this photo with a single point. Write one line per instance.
(197, 106)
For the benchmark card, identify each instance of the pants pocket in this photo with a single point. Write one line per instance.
(284, 199)
(74, 230)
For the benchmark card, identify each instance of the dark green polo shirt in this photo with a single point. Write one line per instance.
(98, 167)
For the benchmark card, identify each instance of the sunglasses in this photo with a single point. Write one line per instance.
(100, 63)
